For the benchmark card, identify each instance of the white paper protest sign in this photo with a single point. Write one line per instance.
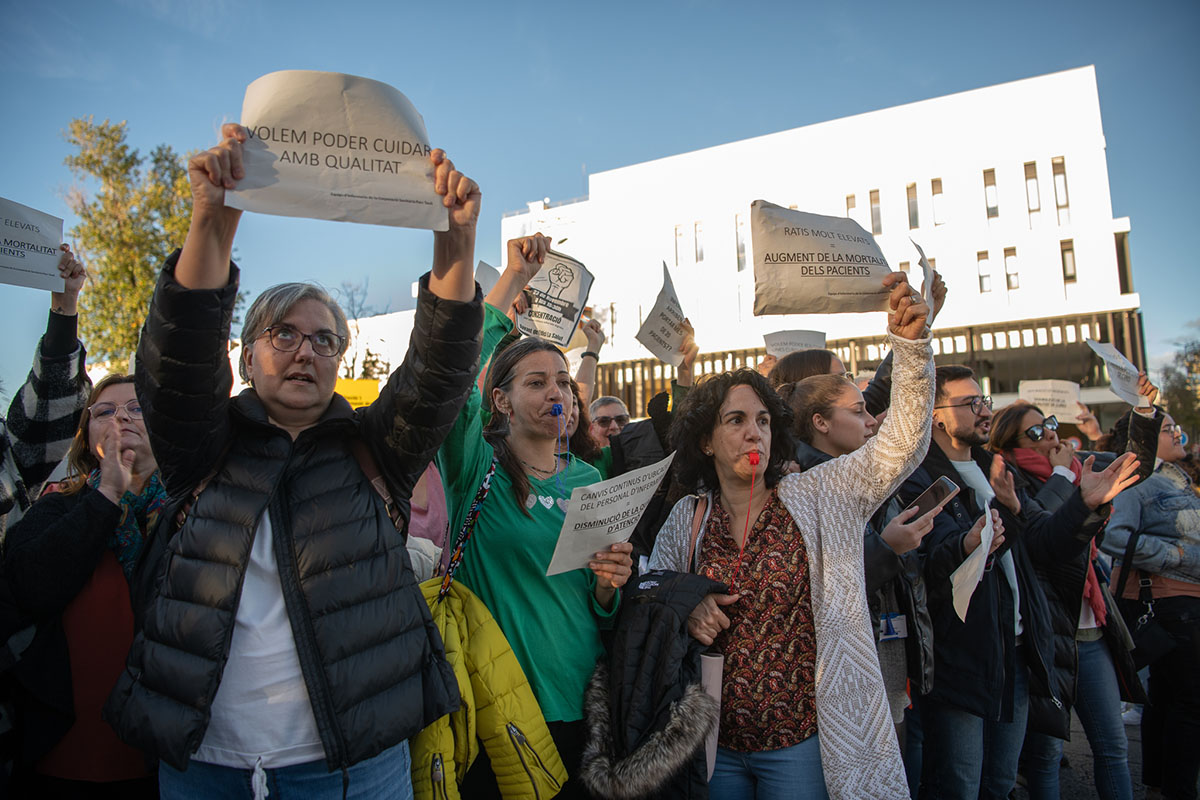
(809, 264)
(487, 276)
(926, 275)
(964, 579)
(29, 241)
(1055, 398)
(558, 293)
(604, 513)
(330, 146)
(1122, 374)
(662, 333)
(780, 343)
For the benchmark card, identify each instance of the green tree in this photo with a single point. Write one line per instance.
(1181, 387)
(138, 213)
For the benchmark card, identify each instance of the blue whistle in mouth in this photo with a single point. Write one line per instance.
(556, 410)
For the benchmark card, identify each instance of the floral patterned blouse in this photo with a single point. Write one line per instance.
(767, 695)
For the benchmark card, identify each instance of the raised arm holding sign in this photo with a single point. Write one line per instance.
(559, 292)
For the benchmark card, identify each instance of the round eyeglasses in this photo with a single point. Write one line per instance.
(1038, 432)
(106, 410)
(287, 339)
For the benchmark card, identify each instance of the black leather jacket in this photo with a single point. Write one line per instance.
(372, 661)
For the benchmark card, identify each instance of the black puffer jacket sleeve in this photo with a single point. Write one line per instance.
(422, 399)
(183, 377)
(52, 552)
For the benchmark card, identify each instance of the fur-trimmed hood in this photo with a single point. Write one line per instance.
(648, 768)
(647, 716)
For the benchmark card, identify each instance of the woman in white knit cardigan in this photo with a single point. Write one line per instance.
(795, 630)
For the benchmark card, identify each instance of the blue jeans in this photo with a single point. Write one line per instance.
(792, 773)
(967, 757)
(1098, 704)
(386, 776)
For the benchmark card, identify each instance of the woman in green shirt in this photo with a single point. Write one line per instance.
(552, 623)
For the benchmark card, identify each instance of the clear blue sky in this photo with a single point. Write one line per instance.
(527, 97)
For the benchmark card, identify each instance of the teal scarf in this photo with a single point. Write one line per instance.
(139, 512)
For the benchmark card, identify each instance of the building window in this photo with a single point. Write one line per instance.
(1067, 246)
(699, 228)
(989, 193)
(985, 341)
(1033, 198)
(678, 243)
(985, 271)
(913, 219)
(739, 224)
(876, 218)
(939, 216)
(904, 266)
(849, 205)
(1010, 268)
(1059, 165)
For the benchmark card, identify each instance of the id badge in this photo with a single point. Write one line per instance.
(892, 626)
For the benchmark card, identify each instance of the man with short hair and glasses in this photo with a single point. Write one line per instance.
(609, 415)
(985, 666)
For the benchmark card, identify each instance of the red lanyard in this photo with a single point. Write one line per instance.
(753, 457)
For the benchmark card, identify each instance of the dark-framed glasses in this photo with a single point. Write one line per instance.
(106, 410)
(1038, 432)
(976, 404)
(621, 419)
(287, 339)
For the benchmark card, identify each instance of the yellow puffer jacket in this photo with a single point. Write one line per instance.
(498, 707)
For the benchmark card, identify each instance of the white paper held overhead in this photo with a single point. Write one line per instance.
(330, 146)
(558, 293)
(809, 264)
(29, 241)
(663, 333)
(1122, 374)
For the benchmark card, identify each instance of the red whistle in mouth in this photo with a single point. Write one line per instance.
(753, 457)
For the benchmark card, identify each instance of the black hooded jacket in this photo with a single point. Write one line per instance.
(647, 716)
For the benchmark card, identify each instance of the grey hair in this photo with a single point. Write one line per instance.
(607, 400)
(274, 304)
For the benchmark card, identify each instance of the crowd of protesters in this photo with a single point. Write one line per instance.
(275, 594)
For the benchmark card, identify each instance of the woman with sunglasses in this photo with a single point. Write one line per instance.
(1094, 670)
(1163, 513)
(68, 564)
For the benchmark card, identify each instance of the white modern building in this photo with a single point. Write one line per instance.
(1006, 189)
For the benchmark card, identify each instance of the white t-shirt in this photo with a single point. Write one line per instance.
(262, 708)
(978, 483)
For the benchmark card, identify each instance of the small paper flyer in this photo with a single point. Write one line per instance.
(559, 293)
(662, 333)
(604, 513)
(1122, 374)
(1054, 398)
(780, 343)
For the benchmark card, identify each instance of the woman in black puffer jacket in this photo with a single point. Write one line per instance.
(284, 636)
